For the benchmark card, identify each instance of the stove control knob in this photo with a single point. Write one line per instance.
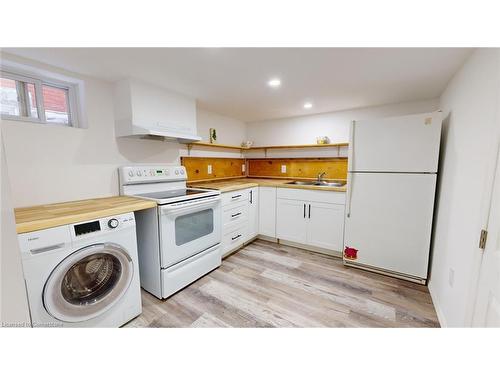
(167, 172)
(139, 173)
(176, 171)
(131, 173)
(113, 223)
(182, 171)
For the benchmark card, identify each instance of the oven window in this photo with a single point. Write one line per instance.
(193, 226)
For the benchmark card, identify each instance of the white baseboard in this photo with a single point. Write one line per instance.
(334, 253)
(439, 312)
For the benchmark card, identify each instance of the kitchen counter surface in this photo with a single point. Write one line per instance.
(29, 219)
(248, 182)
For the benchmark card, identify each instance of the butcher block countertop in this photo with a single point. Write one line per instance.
(29, 219)
(248, 182)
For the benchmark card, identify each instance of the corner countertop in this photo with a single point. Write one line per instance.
(249, 182)
(29, 219)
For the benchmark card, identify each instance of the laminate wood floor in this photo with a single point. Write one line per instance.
(269, 285)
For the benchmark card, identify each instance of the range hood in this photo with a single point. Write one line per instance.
(143, 110)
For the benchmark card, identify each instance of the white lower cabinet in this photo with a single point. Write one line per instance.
(233, 238)
(308, 217)
(325, 227)
(253, 213)
(267, 211)
(291, 220)
(314, 218)
(240, 218)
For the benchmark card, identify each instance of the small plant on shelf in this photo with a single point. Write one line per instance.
(213, 135)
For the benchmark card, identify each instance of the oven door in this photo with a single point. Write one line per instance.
(187, 228)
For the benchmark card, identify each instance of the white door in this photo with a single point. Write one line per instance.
(389, 220)
(325, 227)
(291, 221)
(396, 144)
(267, 211)
(487, 309)
(253, 213)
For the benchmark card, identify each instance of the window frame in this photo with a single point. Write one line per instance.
(38, 81)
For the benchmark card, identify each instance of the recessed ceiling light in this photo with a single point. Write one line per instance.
(308, 105)
(275, 82)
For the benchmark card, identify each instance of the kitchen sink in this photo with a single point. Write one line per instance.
(301, 183)
(316, 183)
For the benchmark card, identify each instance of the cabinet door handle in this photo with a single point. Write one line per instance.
(236, 196)
(251, 196)
(309, 211)
(234, 215)
(234, 238)
(304, 210)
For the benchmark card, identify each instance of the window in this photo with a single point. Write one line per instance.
(37, 99)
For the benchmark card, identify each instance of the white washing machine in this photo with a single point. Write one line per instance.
(84, 274)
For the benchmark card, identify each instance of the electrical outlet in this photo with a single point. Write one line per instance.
(243, 168)
(209, 169)
(451, 277)
(283, 168)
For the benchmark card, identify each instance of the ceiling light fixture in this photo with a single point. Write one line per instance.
(308, 105)
(275, 82)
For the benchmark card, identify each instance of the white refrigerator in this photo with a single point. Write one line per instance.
(392, 171)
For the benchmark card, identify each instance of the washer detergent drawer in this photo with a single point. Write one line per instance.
(184, 273)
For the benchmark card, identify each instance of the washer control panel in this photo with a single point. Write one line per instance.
(145, 174)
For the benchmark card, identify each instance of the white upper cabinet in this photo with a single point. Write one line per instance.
(142, 109)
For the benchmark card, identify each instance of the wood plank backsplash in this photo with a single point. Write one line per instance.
(197, 168)
(335, 168)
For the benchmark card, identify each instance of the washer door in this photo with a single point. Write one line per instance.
(88, 282)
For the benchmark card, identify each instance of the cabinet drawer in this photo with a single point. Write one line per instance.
(234, 197)
(233, 238)
(234, 214)
(335, 197)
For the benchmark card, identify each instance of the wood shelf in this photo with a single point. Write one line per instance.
(299, 146)
(217, 145)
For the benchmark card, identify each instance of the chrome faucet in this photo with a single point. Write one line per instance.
(320, 177)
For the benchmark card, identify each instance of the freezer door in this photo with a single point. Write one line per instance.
(396, 144)
(389, 221)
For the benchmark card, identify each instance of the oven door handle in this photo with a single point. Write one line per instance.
(188, 206)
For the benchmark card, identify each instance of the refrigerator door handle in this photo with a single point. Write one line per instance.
(350, 149)
(349, 193)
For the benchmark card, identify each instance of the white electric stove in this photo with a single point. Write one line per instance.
(179, 240)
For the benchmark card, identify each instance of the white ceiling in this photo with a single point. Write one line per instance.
(232, 81)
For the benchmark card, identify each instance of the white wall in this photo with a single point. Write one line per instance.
(335, 125)
(14, 302)
(470, 108)
(54, 163)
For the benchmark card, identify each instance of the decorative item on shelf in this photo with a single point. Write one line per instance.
(213, 135)
(246, 144)
(323, 140)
